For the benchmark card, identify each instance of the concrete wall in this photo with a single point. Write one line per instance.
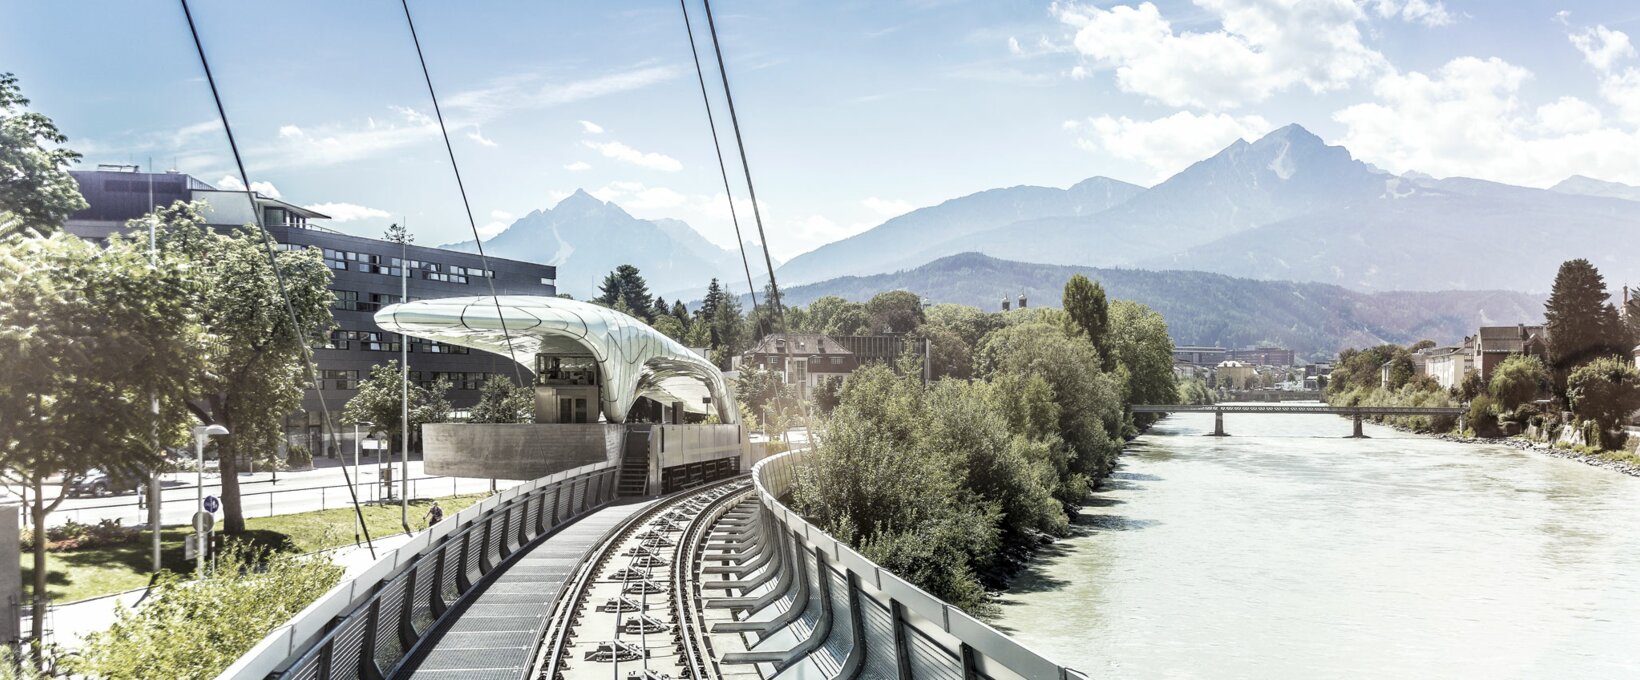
(11, 578)
(518, 451)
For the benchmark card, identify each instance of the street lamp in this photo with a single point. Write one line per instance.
(202, 433)
(358, 446)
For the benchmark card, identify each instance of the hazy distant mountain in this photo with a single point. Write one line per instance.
(1432, 235)
(587, 238)
(1588, 186)
(918, 236)
(1288, 206)
(1210, 309)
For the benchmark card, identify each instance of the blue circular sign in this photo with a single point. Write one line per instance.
(212, 504)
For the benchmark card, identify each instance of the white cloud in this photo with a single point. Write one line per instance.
(348, 212)
(531, 92)
(231, 183)
(337, 143)
(887, 207)
(1466, 119)
(591, 128)
(500, 215)
(578, 166)
(1165, 145)
(1605, 50)
(627, 154)
(477, 135)
(1416, 11)
(490, 229)
(1602, 47)
(1262, 47)
(1013, 46)
(641, 201)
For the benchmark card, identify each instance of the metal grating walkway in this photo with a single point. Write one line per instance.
(495, 636)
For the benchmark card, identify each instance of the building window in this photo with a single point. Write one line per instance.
(340, 340)
(459, 380)
(432, 347)
(548, 282)
(336, 259)
(837, 361)
(337, 379)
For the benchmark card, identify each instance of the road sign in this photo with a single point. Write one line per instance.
(204, 521)
(212, 504)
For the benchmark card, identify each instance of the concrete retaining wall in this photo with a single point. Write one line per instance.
(518, 451)
(678, 445)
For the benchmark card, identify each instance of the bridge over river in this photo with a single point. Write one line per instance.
(1357, 413)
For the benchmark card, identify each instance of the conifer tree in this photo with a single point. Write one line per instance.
(1581, 320)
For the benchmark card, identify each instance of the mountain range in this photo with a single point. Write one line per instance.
(1284, 207)
(1313, 319)
(587, 238)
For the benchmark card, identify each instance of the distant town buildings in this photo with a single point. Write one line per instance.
(1447, 365)
(807, 360)
(1493, 344)
(1234, 375)
(366, 271)
(1264, 356)
(1199, 355)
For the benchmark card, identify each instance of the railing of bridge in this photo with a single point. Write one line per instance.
(369, 626)
(1327, 409)
(847, 615)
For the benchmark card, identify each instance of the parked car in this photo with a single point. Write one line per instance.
(97, 483)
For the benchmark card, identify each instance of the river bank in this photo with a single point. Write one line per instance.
(1626, 462)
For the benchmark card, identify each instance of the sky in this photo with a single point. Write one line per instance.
(851, 111)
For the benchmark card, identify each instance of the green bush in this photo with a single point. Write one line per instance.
(72, 535)
(1482, 419)
(196, 629)
(298, 457)
(1604, 391)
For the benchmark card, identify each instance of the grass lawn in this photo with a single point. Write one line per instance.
(82, 574)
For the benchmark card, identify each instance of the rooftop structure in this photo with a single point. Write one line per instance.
(573, 344)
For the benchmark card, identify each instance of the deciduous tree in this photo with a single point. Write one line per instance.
(1605, 390)
(380, 400)
(897, 311)
(1517, 380)
(500, 401)
(1084, 302)
(35, 187)
(257, 329)
(88, 337)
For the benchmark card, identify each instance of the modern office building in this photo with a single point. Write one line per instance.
(367, 274)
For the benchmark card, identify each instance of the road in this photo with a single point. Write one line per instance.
(320, 488)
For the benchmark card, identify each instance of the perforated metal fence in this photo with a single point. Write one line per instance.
(369, 626)
(813, 607)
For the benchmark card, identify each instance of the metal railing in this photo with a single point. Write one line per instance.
(817, 608)
(368, 627)
(273, 502)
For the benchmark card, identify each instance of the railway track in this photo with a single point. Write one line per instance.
(630, 611)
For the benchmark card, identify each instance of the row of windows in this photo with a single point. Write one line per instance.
(344, 260)
(354, 301)
(340, 379)
(459, 380)
(377, 341)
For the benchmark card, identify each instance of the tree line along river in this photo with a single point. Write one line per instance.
(1287, 551)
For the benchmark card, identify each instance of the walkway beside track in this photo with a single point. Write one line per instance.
(495, 636)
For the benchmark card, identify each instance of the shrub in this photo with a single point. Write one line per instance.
(196, 629)
(1604, 391)
(1517, 382)
(298, 457)
(1481, 418)
(72, 535)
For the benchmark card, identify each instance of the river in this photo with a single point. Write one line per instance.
(1286, 551)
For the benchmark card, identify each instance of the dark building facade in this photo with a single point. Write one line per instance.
(367, 276)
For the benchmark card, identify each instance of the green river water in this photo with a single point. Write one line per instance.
(1287, 551)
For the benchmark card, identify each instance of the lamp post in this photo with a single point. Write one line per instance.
(358, 445)
(202, 433)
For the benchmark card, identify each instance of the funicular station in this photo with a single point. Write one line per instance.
(639, 548)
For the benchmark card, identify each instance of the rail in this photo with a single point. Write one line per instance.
(368, 626)
(814, 607)
(1279, 408)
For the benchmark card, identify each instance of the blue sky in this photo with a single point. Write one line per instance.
(852, 111)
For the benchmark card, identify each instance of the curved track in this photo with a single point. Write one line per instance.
(621, 616)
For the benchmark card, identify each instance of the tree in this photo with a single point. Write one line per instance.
(832, 315)
(380, 400)
(1085, 302)
(88, 337)
(659, 309)
(1137, 340)
(1631, 319)
(1089, 400)
(500, 401)
(35, 187)
(1581, 322)
(197, 629)
(1516, 381)
(669, 326)
(681, 313)
(257, 331)
(626, 285)
(398, 234)
(1605, 391)
(897, 311)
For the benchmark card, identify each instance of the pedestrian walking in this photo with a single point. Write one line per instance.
(434, 515)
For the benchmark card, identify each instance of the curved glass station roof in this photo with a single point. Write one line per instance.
(634, 360)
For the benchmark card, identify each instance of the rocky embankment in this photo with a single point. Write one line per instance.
(1625, 467)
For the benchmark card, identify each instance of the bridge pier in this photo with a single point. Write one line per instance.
(1218, 425)
(1358, 434)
